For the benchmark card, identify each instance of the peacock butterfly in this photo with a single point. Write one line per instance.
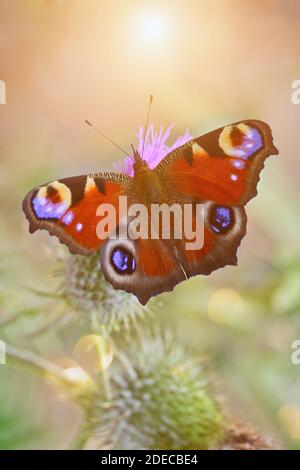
(219, 170)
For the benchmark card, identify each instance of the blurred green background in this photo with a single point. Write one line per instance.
(208, 64)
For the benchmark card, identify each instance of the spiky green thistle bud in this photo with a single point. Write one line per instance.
(160, 399)
(86, 291)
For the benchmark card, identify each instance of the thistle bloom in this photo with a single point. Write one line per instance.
(87, 293)
(155, 147)
(160, 398)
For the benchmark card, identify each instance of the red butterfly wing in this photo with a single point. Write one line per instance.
(223, 165)
(67, 208)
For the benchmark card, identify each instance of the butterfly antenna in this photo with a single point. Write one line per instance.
(135, 153)
(147, 122)
(107, 138)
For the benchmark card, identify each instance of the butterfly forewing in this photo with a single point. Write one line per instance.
(67, 208)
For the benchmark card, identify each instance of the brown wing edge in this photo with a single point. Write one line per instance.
(259, 159)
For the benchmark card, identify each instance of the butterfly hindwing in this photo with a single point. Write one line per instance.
(224, 228)
(142, 267)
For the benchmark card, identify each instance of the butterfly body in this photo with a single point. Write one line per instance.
(219, 170)
(146, 186)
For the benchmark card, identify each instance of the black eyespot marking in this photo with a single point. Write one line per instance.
(76, 184)
(237, 137)
(100, 183)
(188, 155)
(221, 219)
(52, 194)
(122, 260)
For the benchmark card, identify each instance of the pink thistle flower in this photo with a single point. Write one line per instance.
(155, 147)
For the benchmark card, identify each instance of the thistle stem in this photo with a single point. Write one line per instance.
(80, 439)
(37, 363)
(100, 330)
(49, 370)
(104, 371)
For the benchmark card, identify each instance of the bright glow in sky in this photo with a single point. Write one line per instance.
(153, 27)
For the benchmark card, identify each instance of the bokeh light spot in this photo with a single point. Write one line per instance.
(225, 307)
(289, 416)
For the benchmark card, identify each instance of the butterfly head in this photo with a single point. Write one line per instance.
(139, 164)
